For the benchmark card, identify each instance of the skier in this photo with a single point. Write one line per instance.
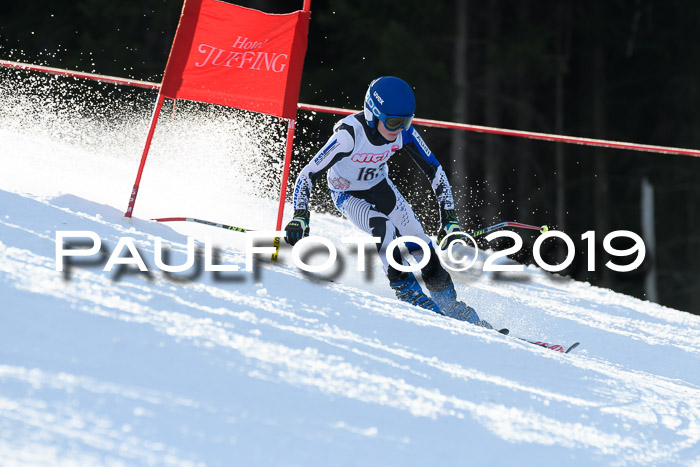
(355, 159)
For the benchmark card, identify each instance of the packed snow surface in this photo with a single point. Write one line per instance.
(279, 367)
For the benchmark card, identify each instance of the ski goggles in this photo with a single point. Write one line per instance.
(394, 123)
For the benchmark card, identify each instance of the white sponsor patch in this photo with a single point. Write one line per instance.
(324, 152)
(420, 141)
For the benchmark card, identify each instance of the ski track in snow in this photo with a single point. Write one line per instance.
(275, 367)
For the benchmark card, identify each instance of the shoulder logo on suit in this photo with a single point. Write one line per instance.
(324, 152)
(421, 143)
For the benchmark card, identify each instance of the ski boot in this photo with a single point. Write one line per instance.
(447, 301)
(409, 290)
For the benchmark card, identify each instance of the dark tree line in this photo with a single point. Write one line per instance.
(625, 70)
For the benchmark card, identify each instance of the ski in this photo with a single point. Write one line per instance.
(546, 345)
(201, 221)
(555, 347)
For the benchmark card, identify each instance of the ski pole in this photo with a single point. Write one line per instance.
(200, 221)
(491, 228)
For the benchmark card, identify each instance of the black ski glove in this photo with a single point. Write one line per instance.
(450, 225)
(298, 227)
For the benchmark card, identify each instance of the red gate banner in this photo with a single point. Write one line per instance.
(230, 55)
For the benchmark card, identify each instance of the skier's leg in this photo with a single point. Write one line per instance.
(435, 276)
(365, 216)
(405, 286)
(437, 279)
(442, 291)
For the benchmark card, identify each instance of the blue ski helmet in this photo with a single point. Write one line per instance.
(389, 99)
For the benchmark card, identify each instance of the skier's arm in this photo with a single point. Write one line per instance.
(425, 159)
(338, 146)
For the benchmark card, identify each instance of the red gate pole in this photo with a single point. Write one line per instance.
(288, 155)
(283, 188)
(285, 171)
(149, 138)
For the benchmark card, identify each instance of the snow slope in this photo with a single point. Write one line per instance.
(275, 367)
